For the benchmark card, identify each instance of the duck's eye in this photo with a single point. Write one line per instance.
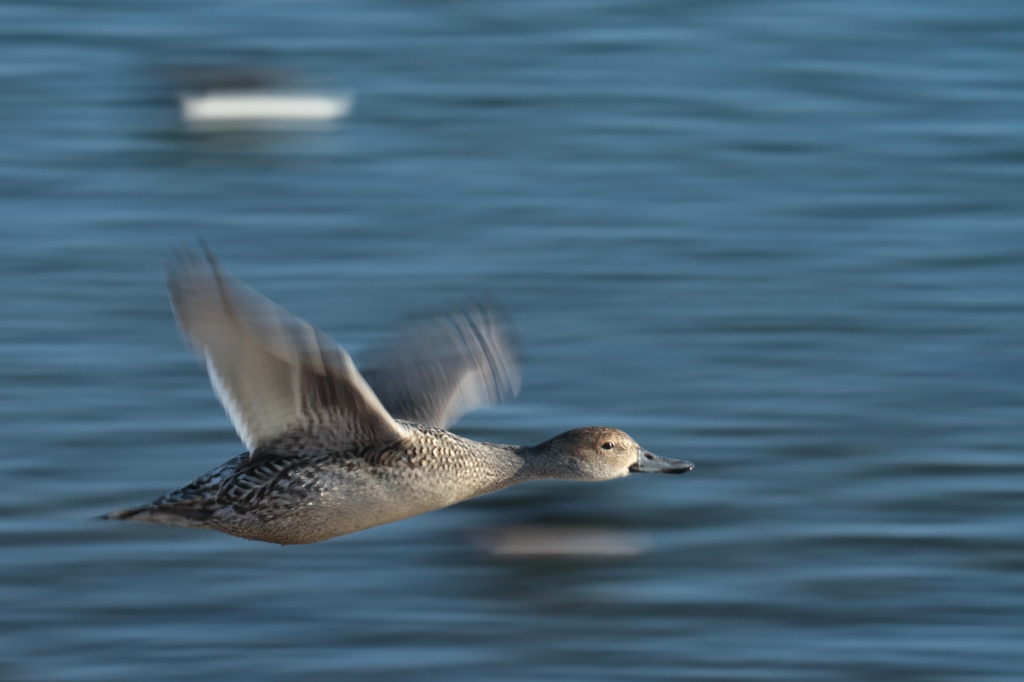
(607, 446)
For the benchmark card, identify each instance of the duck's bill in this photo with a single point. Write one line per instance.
(649, 463)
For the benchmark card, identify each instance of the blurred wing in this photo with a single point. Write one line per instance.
(440, 368)
(275, 374)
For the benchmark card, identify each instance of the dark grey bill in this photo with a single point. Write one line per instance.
(648, 463)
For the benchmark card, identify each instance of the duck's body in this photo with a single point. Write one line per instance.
(326, 457)
(309, 497)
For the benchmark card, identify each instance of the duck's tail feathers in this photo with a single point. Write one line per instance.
(167, 515)
(124, 514)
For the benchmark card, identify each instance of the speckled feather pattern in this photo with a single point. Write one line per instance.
(296, 492)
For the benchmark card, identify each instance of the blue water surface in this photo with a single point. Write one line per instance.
(784, 240)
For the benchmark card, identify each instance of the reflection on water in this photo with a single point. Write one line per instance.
(551, 541)
(780, 241)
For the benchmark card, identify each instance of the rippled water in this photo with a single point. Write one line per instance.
(784, 240)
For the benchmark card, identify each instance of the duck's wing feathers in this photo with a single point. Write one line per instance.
(439, 368)
(275, 374)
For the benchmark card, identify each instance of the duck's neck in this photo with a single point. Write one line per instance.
(512, 464)
(496, 466)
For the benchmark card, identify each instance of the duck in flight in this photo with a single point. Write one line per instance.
(332, 451)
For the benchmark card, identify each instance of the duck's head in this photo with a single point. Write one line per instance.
(598, 453)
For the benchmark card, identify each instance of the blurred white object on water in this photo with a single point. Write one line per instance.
(244, 109)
